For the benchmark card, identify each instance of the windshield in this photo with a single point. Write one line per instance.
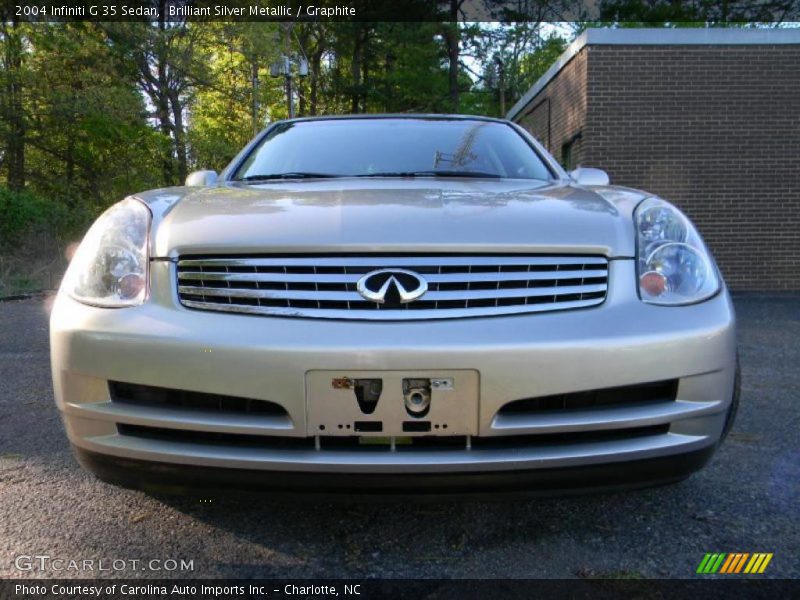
(392, 147)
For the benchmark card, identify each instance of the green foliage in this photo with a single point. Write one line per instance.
(535, 64)
(109, 109)
(511, 57)
(34, 234)
(24, 215)
(92, 112)
(692, 13)
(87, 140)
(222, 119)
(19, 213)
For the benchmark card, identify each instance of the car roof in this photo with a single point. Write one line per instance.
(425, 116)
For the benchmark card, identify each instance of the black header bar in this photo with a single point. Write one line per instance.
(644, 11)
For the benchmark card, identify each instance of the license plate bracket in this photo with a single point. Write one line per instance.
(334, 409)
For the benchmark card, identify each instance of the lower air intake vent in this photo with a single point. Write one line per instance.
(146, 395)
(643, 393)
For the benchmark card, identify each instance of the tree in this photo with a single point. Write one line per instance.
(237, 96)
(313, 40)
(12, 103)
(512, 56)
(87, 134)
(169, 67)
(453, 39)
(698, 12)
(91, 112)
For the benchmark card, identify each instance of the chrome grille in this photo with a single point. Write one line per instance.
(325, 286)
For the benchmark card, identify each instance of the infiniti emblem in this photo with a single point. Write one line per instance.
(392, 287)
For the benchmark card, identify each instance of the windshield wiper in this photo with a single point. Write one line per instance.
(438, 173)
(309, 175)
(296, 175)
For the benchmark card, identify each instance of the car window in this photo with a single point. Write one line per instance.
(372, 147)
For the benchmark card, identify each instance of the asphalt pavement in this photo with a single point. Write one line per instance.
(746, 500)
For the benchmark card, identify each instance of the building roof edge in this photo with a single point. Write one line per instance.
(713, 36)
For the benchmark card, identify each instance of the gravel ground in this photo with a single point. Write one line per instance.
(746, 499)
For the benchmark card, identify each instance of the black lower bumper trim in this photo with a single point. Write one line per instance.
(170, 478)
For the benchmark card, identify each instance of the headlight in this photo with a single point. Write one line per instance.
(673, 264)
(110, 266)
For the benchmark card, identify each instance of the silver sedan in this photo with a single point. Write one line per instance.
(400, 304)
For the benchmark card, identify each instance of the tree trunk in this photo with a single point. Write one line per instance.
(179, 134)
(301, 85)
(316, 68)
(301, 97)
(15, 118)
(387, 81)
(364, 80)
(453, 37)
(162, 102)
(256, 104)
(355, 71)
(165, 124)
(69, 167)
(69, 131)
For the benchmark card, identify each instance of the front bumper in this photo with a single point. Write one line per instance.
(621, 342)
(616, 476)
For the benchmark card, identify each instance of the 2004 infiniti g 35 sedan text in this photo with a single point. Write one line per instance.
(395, 303)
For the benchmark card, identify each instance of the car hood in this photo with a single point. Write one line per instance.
(393, 215)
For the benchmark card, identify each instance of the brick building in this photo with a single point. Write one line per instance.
(706, 118)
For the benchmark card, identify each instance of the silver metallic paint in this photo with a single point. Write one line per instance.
(620, 342)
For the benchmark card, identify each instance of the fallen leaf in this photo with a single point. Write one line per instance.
(139, 517)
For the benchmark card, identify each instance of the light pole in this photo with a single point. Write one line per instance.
(284, 68)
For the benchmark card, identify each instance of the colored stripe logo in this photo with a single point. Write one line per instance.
(734, 562)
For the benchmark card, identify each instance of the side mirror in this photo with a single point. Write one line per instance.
(201, 178)
(589, 176)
